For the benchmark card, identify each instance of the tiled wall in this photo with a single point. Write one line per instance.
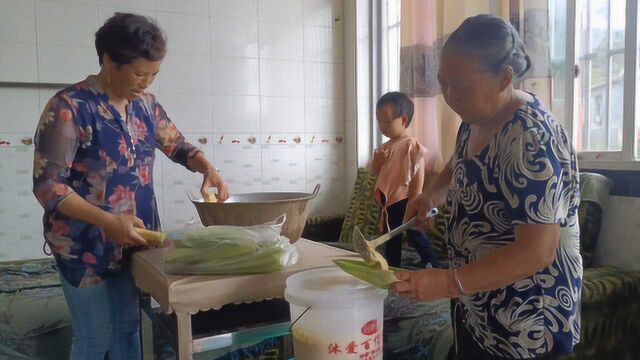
(257, 84)
(619, 241)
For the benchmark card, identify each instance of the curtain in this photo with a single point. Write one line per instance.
(424, 26)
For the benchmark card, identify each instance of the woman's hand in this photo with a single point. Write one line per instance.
(213, 179)
(425, 285)
(121, 229)
(419, 206)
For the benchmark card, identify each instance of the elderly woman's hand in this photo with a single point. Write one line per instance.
(425, 285)
(419, 206)
(214, 179)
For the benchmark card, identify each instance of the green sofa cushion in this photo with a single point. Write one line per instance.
(363, 210)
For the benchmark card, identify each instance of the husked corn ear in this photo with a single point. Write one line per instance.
(152, 237)
(210, 197)
(368, 273)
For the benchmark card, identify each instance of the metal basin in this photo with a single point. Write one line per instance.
(259, 208)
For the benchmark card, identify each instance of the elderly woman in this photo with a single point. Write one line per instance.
(511, 197)
(94, 154)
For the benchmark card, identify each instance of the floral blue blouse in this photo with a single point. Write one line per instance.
(527, 175)
(83, 145)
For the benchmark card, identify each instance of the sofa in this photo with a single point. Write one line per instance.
(610, 296)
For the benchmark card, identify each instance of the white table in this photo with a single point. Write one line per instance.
(187, 295)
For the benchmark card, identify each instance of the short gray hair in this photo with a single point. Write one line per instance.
(494, 42)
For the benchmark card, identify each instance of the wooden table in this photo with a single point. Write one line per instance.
(187, 295)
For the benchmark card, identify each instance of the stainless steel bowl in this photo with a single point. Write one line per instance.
(259, 208)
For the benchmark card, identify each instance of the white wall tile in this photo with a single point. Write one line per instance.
(350, 134)
(323, 44)
(619, 242)
(282, 114)
(325, 162)
(137, 4)
(280, 11)
(44, 95)
(67, 24)
(234, 9)
(291, 93)
(281, 78)
(285, 185)
(236, 114)
(331, 199)
(243, 43)
(324, 80)
(18, 21)
(65, 64)
(20, 110)
(324, 115)
(241, 166)
(190, 113)
(283, 163)
(18, 62)
(185, 33)
(323, 12)
(194, 7)
(105, 12)
(176, 79)
(281, 41)
(236, 76)
(7, 169)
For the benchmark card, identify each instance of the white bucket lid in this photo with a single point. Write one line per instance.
(329, 287)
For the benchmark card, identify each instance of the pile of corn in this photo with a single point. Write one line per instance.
(226, 250)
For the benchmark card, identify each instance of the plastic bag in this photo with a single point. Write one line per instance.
(227, 250)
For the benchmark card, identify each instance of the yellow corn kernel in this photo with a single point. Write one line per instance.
(210, 197)
(152, 237)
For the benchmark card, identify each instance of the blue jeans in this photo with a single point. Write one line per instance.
(106, 319)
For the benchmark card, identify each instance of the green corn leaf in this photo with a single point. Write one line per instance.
(368, 273)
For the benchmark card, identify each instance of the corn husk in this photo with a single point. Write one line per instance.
(227, 250)
(368, 273)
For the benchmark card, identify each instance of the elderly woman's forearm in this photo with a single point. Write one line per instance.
(78, 208)
(199, 163)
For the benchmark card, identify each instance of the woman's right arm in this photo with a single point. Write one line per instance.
(120, 228)
(56, 141)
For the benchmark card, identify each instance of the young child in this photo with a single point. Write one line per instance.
(399, 165)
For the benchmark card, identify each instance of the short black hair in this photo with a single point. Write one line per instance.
(126, 37)
(401, 103)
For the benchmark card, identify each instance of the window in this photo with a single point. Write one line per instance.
(600, 50)
(389, 38)
(601, 35)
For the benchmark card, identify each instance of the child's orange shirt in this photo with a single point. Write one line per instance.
(406, 158)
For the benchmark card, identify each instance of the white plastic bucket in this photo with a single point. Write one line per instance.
(343, 318)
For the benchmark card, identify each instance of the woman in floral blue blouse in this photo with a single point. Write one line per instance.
(511, 196)
(94, 152)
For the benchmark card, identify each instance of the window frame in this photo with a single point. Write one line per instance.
(601, 158)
